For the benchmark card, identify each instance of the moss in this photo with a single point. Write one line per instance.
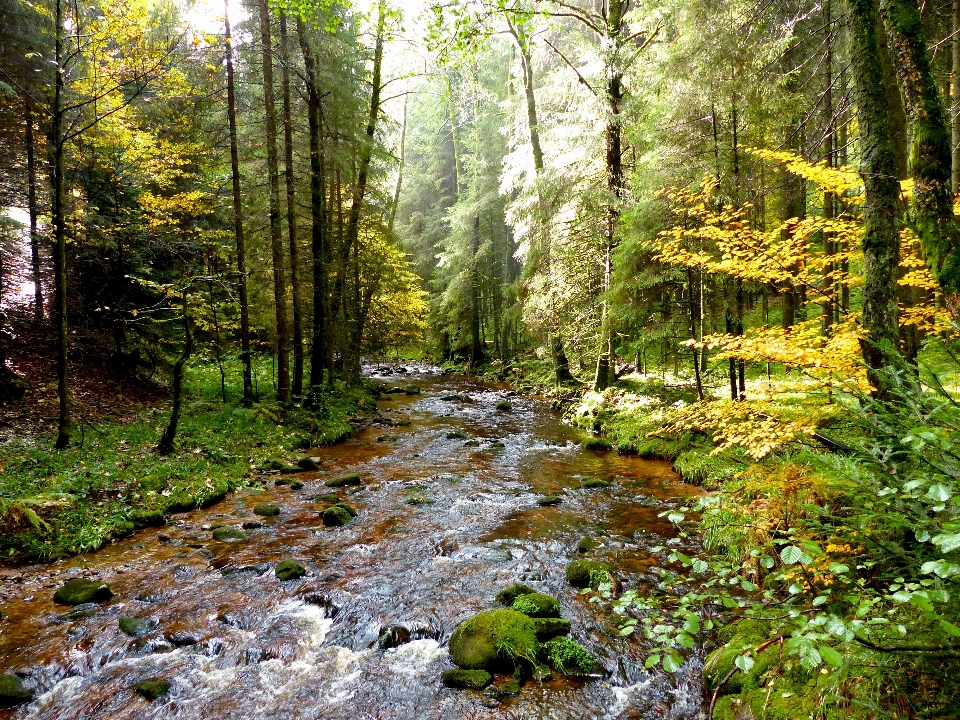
(296, 485)
(456, 435)
(700, 467)
(418, 499)
(537, 605)
(229, 534)
(549, 628)
(136, 626)
(504, 406)
(147, 518)
(352, 511)
(595, 443)
(266, 510)
(411, 390)
(595, 484)
(352, 479)
(394, 391)
(508, 595)
(328, 498)
(336, 516)
(308, 464)
(739, 638)
(587, 544)
(153, 688)
(494, 640)
(547, 500)
(568, 657)
(289, 570)
(588, 573)
(473, 679)
(508, 688)
(80, 590)
(12, 692)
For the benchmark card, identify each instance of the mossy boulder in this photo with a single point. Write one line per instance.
(537, 605)
(587, 544)
(738, 639)
(336, 516)
(296, 485)
(411, 390)
(136, 626)
(567, 657)
(595, 484)
(504, 406)
(328, 498)
(153, 688)
(81, 590)
(547, 500)
(147, 518)
(394, 391)
(308, 464)
(494, 640)
(508, 595)
(266, 510)
(349, 508)
(228, 533)
(353, 479)
(595, 443)
(549, 628)
(473, 679)
(289, 570)
(588, 573)
(456, 435)
(12, 692)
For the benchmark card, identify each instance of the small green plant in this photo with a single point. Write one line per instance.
(568, 657)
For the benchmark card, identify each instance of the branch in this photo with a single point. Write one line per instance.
(944, 650)
(733, 671)
(580, 77)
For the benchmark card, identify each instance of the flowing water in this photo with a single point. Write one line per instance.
(444, 523)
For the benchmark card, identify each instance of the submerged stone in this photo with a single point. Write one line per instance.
(595, 483)
(473, 679)
(411, 390)
(508, 595)
(549, 628)
(537, 605)
(266, 510)
(456, 435)
(136, 626)
(392, 636)
(226, 533)
(80, 590)
(547, 500)
(494, 640)
(328, 498)
(153, 688)
(336, 516)
(289, 570)
(504, 406)
(12, 692)
(308, 464)
(587, 544)
(347, 480)
(588, 573)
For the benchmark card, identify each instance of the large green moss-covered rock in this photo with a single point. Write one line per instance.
(80, 590)
(346, 481)
(226, 533)
(537, 605)
(494, 640)
(508, 595)
(136, 626)
(12, 692)
(266, 510)
(473, 679)
(588, 573)
(336, 516)
(568, 657)
(739, 639)
(289, 570)
(549, 628)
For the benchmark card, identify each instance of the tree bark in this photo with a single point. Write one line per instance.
(166, 444)
(34, 211)
(276, 231)
(955, 110)
(932, 212)
(881, 237)
(238, 217)
(291, 211)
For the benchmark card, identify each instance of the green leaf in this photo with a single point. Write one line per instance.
(831, 656)
(791, 555)
(766, 561)
(671, 662)
(819, 600)
(675, 517)
(686, 641)
(747, 585)
(950, 628)
(744, 663)
(948, 542)
(700, 566)
(652, 661)
(940, 492)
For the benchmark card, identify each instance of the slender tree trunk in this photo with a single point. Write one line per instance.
(931, 168)
(276, 231)
(829, 199)
(881, 237)
(318, 198)
(166, 444)
(34, 212)
(694, 306)
(400, 168)
(476, 347)
(955, 85)
(238, 217)
(291, 211)
(55, 145)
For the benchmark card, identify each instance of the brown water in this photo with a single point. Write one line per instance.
(238, 643)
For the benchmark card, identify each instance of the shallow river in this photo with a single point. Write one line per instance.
(444, 524)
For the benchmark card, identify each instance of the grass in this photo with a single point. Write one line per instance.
(54, 504)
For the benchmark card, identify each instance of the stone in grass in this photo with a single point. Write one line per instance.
(12, 692)
(537, 605)
(266, 510)
(588, 573)
(153, 688)
(494, 640)
(547, 500)
(595, 443)
(289, 570)
(336, 516)
(136, 626)
(549, 628)
(504, 406)
(587, 544)
(508, 595)
(595, 483)
(473, 679)
(346, 481)
(80, 590)
(568, 657)
(227, 533)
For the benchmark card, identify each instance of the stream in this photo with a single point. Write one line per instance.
(447, 518)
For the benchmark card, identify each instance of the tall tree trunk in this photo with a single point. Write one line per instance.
(55, 146)
(166, 444)
(318, 198)
(932, 215)
(476, 346)
(881, 237)
(238, 217)
(34, 212)
(276, 231)
(955, 84)
(829, 199)
(403, 148)
(291, 211)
